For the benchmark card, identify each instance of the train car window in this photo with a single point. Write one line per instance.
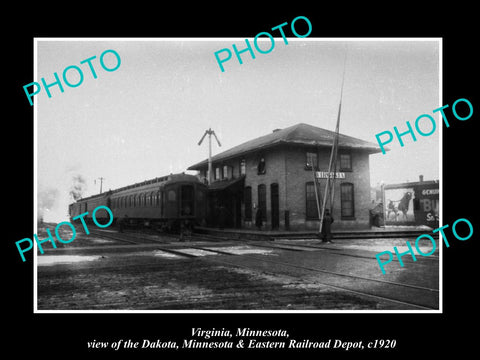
(162, 201)
(172, 195)
(187, 200)
(200, 195)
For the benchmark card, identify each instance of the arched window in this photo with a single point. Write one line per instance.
(248, 203)
(262, 200)
(311, 205)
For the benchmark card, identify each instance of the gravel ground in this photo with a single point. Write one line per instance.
(92, 273)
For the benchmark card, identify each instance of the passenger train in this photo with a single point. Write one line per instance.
(176, 202)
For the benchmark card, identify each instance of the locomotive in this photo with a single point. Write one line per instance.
(176, 202)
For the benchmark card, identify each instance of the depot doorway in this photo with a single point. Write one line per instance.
(274, 206)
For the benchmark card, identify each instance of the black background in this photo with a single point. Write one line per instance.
(60, 335)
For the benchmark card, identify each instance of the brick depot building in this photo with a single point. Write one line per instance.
(274, 173)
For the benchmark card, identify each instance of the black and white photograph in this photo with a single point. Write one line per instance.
(250, 184)
(244, 189)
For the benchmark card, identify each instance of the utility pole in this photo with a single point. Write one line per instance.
(209, 132)
(101, 183)
(330, 184)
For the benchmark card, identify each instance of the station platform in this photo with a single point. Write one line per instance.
(374, 232)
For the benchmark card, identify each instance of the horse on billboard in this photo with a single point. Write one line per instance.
(403, 206)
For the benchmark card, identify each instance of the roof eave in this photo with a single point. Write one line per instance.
(218, 157)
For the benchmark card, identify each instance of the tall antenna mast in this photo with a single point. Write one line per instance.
(329, 188)
(209, 132)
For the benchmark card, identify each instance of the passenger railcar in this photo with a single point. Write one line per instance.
(174, 202)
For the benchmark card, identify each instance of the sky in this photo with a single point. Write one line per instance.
(145, 119)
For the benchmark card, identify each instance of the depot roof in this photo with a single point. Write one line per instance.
(299, 134)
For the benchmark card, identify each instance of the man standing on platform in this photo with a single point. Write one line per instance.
(327, 227)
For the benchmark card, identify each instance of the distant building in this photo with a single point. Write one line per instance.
(274, 173)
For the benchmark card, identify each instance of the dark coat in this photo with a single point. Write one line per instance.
(327, 226)
(259, 218)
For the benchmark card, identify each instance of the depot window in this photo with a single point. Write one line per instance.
(261, 167)
(218, 173)
(345, 161)
(311, 161)
(311, 204)
(347, 201)
(243, 167)
(262, 200)
(248, 203)
(227, 172)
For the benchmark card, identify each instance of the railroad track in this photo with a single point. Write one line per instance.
(344, 235)
(281, 245)
(409, 295)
